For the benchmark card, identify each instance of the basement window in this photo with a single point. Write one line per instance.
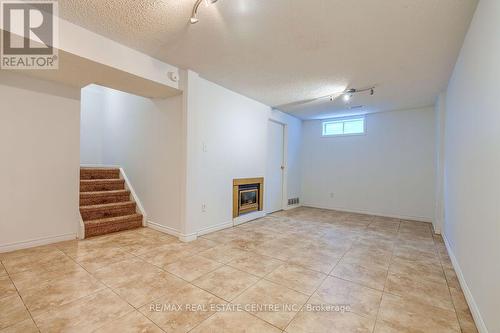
(346, 126)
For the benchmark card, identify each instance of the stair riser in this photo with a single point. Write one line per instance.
(108, 212)
(89, 174)
(99, 200)
(101, 187)
(112, 227)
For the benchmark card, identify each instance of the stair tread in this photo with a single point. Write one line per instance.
(90, 181)
(108, 205)
(103, 193)
(113, 219)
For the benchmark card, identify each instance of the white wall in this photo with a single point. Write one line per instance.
(143, 136)
(388, 171)
(472, 166)
(233, 130)
(184, 152)
(39, 171)
(93, 125)
(440, 114)
(86, 44)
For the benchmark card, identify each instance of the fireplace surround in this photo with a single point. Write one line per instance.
(248, 195)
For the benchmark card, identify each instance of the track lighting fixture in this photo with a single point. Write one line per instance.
(194, 15)
(347, 94)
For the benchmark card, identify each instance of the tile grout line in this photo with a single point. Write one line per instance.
(113, 291)
(387, 277)
(22, 300)
(449, 288)
(327, 275)
(92, 293)
(358, 236)
(259, 280)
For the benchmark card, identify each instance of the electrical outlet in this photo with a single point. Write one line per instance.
(205, 147)
(204, 208)
(332, 195)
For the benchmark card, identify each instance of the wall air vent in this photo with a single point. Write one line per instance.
(293, 201)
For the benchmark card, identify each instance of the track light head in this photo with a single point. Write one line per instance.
(194, 15)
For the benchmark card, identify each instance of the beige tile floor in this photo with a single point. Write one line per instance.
(305, 270)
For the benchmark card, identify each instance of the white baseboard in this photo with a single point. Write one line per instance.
(191, 237)
(173, 232)
(474, 309)
(248, 217)
(36, 242)
(292, 207)
(360, 211)
(81, 228)
(188, 238)
(215, 228)
(164, 229)
(437, 230)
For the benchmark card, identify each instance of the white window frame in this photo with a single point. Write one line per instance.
(342, 120)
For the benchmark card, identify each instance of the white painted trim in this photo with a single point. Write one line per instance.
(215, 228)
(140, 207)
(339, 119)
(292, 207)
(188, 238)
(402, 217)
(284, 172)
(248, 217)
(99, 166)
(437, 230)
(80, 231)
(474, 309)
(36, 242)
(81, 228)
(164, 229)
(171, 231)
(191, 237)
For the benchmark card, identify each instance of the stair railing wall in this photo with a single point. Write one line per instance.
(139, 205)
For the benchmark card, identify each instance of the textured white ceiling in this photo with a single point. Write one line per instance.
(283, 51)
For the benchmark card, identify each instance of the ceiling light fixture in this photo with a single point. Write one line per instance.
(346, 94)
(194, 15)
(349, 93)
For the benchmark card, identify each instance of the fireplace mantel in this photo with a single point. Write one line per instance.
(241, 182)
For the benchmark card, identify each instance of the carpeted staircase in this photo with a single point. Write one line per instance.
(105, 204)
